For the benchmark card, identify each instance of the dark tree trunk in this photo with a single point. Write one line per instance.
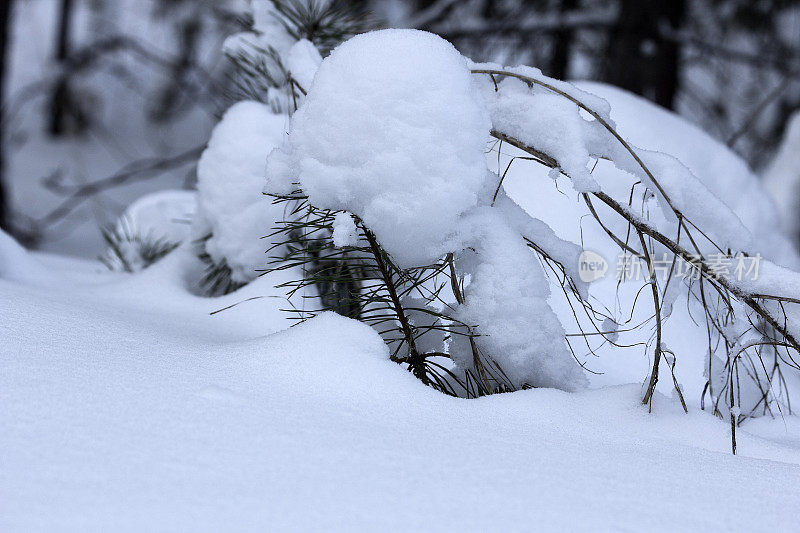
(562, 40)
(667, 80)
(5, 45)
(640, 59)
(64, 30)
(624, 49)
(174, 96)
(489, 10)
(65, 115)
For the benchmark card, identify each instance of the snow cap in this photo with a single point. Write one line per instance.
(394, 131)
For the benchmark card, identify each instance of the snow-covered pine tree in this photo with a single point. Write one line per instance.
(397, 176)
(387, 152)
(148, 230)
(265, 69)
(272, 68)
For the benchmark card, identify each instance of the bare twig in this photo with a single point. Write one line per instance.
(137, 171)
(641, 226)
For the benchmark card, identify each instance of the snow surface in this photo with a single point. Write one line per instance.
(549, 123)
(16, 264)
(127, 407)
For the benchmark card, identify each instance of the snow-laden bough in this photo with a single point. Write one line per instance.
(394, 131)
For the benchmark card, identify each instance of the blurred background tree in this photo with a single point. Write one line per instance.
(127, 91)
(5, 25)
(731, 66)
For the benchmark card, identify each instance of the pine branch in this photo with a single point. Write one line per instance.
(129, 250)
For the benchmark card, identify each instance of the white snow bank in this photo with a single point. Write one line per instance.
(17, 265)
(393, 131)
(230, 174)
(123, 419)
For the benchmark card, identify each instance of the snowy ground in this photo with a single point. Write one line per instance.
(128, 407)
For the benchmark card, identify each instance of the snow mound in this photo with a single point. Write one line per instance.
(164, 215)
(120, 415)
(394, 131)
(230, 174)
(17, 265)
